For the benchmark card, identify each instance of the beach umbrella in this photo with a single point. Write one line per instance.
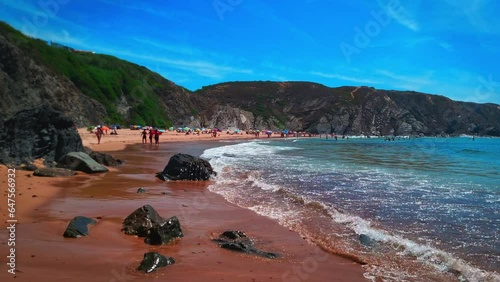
(171, 128)
(104, 127)
(186, 128)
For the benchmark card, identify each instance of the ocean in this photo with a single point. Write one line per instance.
(415, 209)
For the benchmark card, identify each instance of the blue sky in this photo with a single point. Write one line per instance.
(446, 47)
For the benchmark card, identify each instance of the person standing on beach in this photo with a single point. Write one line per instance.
(157, 137)
(144, 136)
(151, 136)
(98, 134)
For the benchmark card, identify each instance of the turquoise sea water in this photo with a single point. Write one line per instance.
(410, 208)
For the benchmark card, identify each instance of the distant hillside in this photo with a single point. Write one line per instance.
(351, 110)
(92, 89)
(113, 90)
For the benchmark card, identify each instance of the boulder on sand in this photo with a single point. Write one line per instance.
(53, 172)
(81, 162)
(152, 261)
(103, 158)
(186, 167)
(79, 226)
(164, 232)
(141, 221)
(238, 241)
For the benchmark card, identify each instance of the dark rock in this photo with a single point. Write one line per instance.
(233, 235)
(164, 232)
(78, 227)
(365, 240)
(27, 167)
(103, 158)
(81, 162)
(53, 172)
(152, 261)
(141, 221)
(186, 167)
(238, 241)
(37, 133)
(141, 190)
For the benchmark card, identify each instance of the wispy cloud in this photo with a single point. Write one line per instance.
(478, 13)
(344, 77)
(21, 6)
(199, 67)
(405, 81)
(172, 48)
(401, 14)
(64, 37)
(445, 45)
(266, 12)
(162, 12)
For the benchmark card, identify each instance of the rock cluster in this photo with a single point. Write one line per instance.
(146, 222)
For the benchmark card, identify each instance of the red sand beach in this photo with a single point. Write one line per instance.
(44, 207)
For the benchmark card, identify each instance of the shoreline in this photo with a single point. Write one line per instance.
(203, 214)
(126, 137)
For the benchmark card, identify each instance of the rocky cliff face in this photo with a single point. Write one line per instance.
(25, 84)
(344, 110)
(40, 132)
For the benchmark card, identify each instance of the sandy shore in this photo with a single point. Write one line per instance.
(45, 206)
(126, 136)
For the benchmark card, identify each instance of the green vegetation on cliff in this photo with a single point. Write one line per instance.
(130, 93)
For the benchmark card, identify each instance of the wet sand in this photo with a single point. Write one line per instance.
(107, 254)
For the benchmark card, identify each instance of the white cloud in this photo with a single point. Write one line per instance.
(200, 67)
(63, 37)
(406, 82)
(402, 15)
(22, 6)
(344, 77)
(445, 45)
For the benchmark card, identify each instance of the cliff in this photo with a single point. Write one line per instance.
(345, 110)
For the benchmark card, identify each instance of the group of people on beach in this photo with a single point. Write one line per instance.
(153, 132)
